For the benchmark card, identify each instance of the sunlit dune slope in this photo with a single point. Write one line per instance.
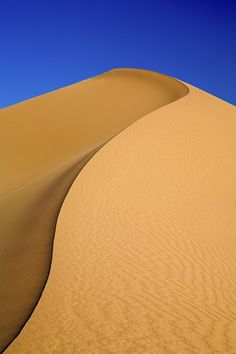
(44, 144)
(144, 256)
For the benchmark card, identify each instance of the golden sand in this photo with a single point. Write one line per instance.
(144, 254)
(44, 144)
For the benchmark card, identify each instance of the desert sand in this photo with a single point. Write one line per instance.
(44, 144)
(144, 251)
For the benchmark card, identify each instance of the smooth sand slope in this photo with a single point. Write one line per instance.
(44, 144)
(144, 256)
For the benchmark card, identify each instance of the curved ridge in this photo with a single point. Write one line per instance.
(141, 270)
(30, 205)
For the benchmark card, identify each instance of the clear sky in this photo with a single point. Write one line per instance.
(45, 45)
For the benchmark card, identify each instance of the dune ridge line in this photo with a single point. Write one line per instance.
(144, 253)
(38, 137)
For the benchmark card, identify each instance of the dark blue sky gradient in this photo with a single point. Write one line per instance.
(45, 45)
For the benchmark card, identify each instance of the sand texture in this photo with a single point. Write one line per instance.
(144, 257)
(44, 144)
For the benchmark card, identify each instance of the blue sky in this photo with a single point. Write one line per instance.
(46, 45)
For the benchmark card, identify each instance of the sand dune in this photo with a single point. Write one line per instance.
(144, 253)
(44, 143)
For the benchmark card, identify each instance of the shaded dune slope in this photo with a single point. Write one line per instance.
(45, 142)
(144, 253)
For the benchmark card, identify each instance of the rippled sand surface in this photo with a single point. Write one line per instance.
(144, 255)
(45, 142)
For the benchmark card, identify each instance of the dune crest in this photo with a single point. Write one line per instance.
(46, 141)
(144, 253)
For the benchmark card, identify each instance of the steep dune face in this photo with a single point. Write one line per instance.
(45, 132)
(44, 144)
(144, 253)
